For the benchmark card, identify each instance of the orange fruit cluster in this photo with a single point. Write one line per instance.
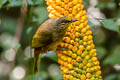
(78, 60)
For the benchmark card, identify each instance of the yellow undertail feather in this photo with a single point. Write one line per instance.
(37, 55)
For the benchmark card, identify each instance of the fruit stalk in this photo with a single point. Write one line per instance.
(78, 60)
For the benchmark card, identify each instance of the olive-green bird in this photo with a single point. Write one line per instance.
(48, 37)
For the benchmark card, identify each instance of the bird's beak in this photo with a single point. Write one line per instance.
(73, 20)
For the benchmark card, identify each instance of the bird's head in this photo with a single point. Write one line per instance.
(65, 21)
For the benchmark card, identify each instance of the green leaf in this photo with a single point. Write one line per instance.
(37, 2)
(110, 24)
(14, 3)
(101, 52)
(34, 1)
(2, 2)
(41, 14)
(111, 5)
(34, 77)
(39, 76)
(51, 56)
(111, 77)
(29, 30)
(114, 57)
(8, 24)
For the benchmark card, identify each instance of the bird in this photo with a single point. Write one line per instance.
(48, 36)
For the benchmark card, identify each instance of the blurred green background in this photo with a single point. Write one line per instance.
(18, 24)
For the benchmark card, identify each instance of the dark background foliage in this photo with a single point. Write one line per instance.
(17, 29)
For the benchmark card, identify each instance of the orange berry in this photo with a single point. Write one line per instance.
(67, 39)
(70, 15)
(72, 36)
(84, 12)
(80, 1)
(70, 10)
(98, 72)
(97, 63)
(69, 59)
(90, 42)
(62, 44)
(66, 7)
(51, 15)
(89, 32)
(66, 1)
(81, 47)
(81, 65)
(70, 4)
(90, 37)
(64, 52)
(69, 28)
(53, 5)
(92, 46)
(84, 62)
(84, 18)
(58, 2)
(81, 42)
(65, 70)
(75, 2)
(69, 52)
(92, 51)
(87, 57)
(77, 23)
(77, 34)
(74, 12)
(62, 4)
(87, 27)
(89, 65)
(76, 44)
(81, 7)
(61, 10)
(77, 40)
(74, 49)
(85, 38)
(81, 25)
(83, 55)
(88, 47)
(74, 55)
(77, 28)
(86, 22)
(72, 42)
(79, 52)
(85, 43)
(83, 77)
(70, 66)
(77, 16)
(88, 70)
(65, 45)
(74, 62)
(94, 59)
(66, 13)
(73, 31)
(88, 75)
(83, 30)
(78, 59)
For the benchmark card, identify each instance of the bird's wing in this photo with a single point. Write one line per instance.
(42, 40)
(44, 34)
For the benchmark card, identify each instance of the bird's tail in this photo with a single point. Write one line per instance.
(37, 55)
